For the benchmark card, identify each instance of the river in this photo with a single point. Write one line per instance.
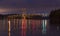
(30, 27)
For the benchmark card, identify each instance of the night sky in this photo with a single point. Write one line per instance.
(41, 5)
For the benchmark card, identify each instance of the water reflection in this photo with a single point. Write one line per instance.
(43, 26)
(24, 27)
(9, 28)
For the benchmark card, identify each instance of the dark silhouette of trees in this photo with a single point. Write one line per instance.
(35, 17)
(55, 17)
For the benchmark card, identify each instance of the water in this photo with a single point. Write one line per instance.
(23, 27)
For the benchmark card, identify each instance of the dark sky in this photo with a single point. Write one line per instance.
(29, 3)
(48, 4)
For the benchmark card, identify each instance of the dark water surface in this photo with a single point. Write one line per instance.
(23, 27)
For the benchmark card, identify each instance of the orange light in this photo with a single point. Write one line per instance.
(9, 27)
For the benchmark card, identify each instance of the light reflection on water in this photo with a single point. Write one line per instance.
(21, 28)
(29, 27)
(44, 26)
